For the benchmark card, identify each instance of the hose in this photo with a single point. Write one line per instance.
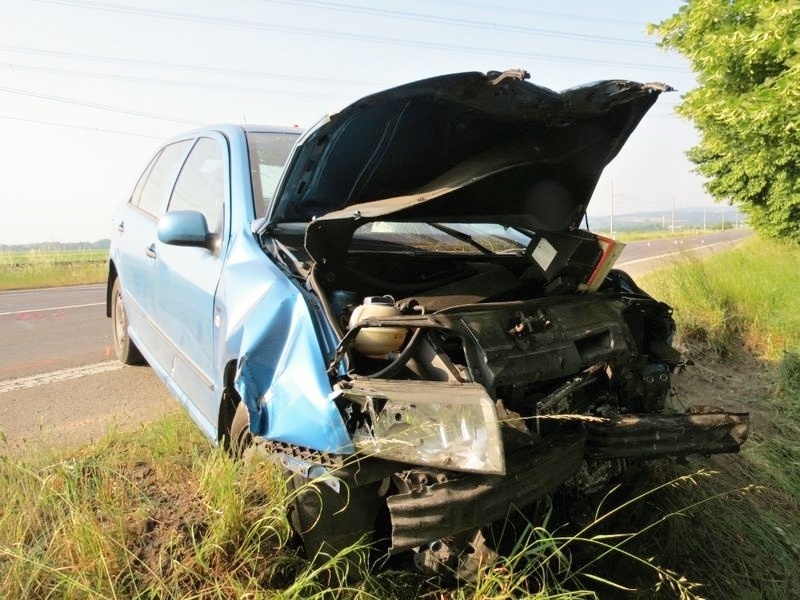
(401, 359)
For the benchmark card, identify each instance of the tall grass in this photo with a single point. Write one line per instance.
(744, 295)
(739, 311)
(158, 514)
(52, 268)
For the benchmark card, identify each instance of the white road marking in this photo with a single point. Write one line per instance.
(21, 383)
(49, 308)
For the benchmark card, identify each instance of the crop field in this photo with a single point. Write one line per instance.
(50, 268)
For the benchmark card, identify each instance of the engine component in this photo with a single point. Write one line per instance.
(377, 342)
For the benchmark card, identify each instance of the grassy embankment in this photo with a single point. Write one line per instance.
(47, 268)
(630, 235)
(157, 514)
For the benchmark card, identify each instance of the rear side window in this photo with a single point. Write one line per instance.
(153, 186)
(201, 184)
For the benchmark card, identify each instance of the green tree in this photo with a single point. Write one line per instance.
(746, 56)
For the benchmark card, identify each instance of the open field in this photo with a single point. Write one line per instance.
(51, 268)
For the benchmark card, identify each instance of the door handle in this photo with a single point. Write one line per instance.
(121, 226)
(151, 250)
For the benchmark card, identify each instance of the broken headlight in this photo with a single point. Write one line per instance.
(442, 425)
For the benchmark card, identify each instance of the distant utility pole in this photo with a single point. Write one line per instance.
(611, 218)
(672, 227)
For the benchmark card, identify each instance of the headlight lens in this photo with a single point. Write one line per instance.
(435, 424)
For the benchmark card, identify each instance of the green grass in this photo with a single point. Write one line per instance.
(745, 295)
(737, 313)
(625, 235)
(51, 268)
(159, 514)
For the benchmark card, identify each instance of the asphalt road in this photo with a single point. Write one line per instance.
(639, 257)
(59, 382)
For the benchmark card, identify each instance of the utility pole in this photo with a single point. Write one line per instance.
(611, 218)
(672, 227)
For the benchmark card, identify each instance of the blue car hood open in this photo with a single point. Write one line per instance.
(467, 146)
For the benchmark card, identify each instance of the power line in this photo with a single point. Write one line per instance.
(165, 82)
(179, 67)
(381, 40)
(72, 126)
(118, 109)
(537, 13)
(427, 18)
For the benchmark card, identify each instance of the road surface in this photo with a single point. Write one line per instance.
(59, 382)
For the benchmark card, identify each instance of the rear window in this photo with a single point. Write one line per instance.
(155, 185)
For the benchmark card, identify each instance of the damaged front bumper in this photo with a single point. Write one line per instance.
(701, 430)
(445, 509)
(456, 501)
(450, 507)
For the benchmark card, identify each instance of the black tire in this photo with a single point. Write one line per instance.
(126, 351)
(240, 439)
(325, 521)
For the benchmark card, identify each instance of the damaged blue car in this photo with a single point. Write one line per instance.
(404, 307)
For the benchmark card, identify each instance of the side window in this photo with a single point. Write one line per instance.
(201, 184)
(157, 182)
(137, 191)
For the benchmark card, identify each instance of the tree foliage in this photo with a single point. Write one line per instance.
(746, 55)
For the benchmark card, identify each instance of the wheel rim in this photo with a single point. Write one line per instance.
(120, 325)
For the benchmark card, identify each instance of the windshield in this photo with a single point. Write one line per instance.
(481, 238)
(268, 154)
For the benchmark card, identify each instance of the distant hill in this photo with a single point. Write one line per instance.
(712, 217)
(57, 246)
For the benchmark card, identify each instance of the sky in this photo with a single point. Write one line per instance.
(89, 89)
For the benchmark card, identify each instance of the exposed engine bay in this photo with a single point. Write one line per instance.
(474, 383)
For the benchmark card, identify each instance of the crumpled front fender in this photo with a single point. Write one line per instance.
(281, 376)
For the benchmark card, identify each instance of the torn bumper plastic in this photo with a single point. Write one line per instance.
(447, 508)
(703, 430)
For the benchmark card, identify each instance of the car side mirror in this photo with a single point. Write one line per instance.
(185, 228)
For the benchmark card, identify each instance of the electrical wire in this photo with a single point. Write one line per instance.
(165, 82)
(228, 70)
(380, 40)
(483, 25)
(73, 126)
(73, 101)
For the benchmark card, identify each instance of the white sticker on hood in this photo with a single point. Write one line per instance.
(543, 254)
